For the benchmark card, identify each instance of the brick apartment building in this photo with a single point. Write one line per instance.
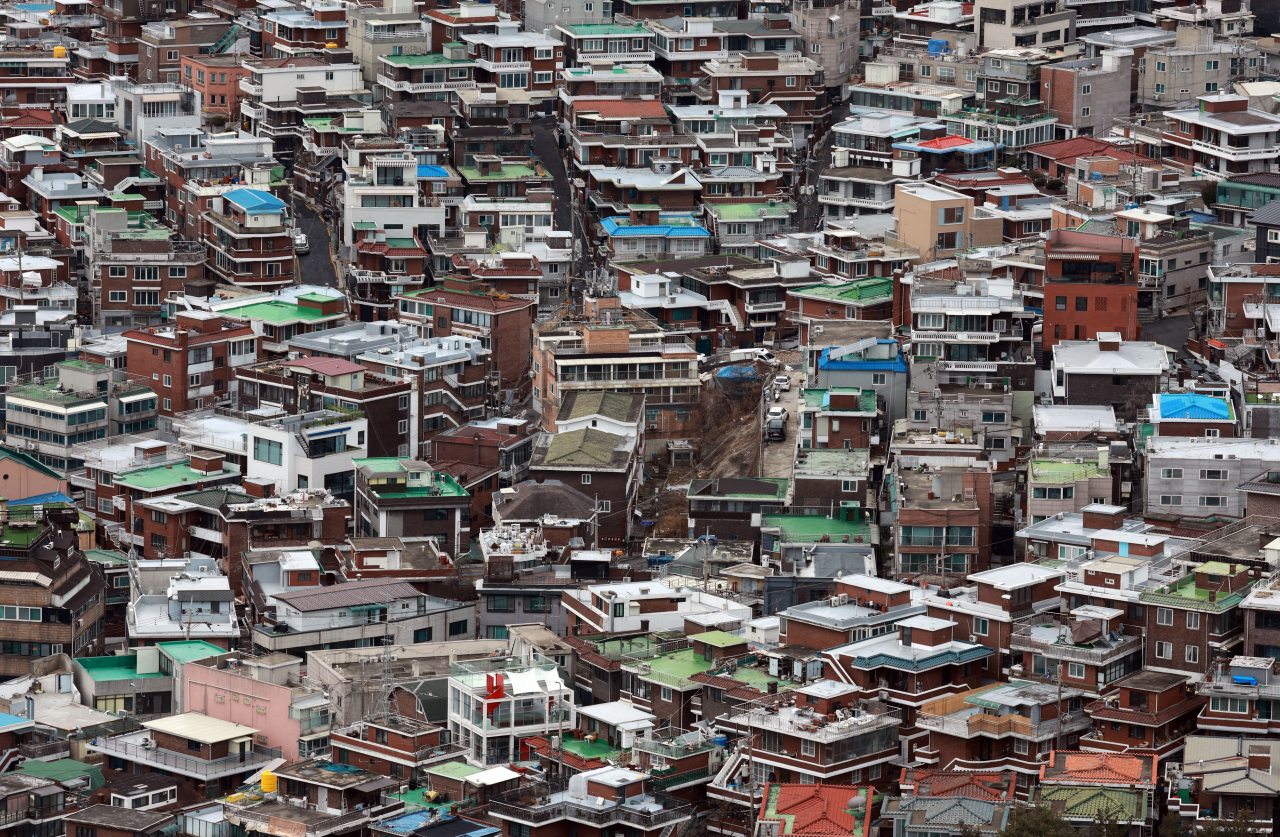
(215, 79)
(192, 362)
(1090, 286)
(249, 241)
(944, 521)
(460, 307)
(164, 45)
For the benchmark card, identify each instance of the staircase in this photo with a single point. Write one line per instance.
(1147, 315)
(304, 442)
(226, 41)
(730, 309)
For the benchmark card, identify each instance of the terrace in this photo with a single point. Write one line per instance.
(993, 711)
(543, 802)
(1051, 636)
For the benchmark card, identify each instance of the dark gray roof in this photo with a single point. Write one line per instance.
(369, 591)
(1269, 214)
(123, 819)
(534, 500)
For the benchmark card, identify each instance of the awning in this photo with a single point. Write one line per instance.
(366, 607)
(138, 396)
(160, 97)
(524, 682)
(378, 783)
(1217, 344)
(492, 776)
(313, 736)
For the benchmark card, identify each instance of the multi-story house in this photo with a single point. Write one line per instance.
(511, 58)
(135, 266)
(283, 91)
(943, 516)
(1012, 24)
(829, 33)
(1002, 727)
(80, 402)
(309, 30)
(1067, 478)
(1223, 136)
(917, 661)
(1088, 95)
(586, 43)
(938, 222)
(163, 45)
(249, 239)
(1097, 274)
(608, 466)
(1109, 371)
(571, 355)
(144, 109)
(490, 719)
(796, 84)
(1175, 75)
(1149, 710)
(208, 755)
(1221, 780)
(408, 78)
(191, 362)
(216, 81)
(404, 498)
(61, 609)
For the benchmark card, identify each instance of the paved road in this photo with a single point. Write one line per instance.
(778, 457)
(546, 150)
(317, 267)
(1171, 332)
(809, 209)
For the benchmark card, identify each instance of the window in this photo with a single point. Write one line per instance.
(1171, 499)
(1213, 474)
(1082, 303)
(1192, 654)
(666, 694)
(1213, 502)
(1170, 473)
(1075, 671)
(919, 415)
(951, 215)
(1164, 616)
(458, 628)
(879, 379)
(1084, 111)
(1237, 705)
(1021, 746)
(1060, 303)
(791, 81)
(1086, 88)
(981, 626)
(586, 479)
(993, 418)
(1164, 650)
(265, 450)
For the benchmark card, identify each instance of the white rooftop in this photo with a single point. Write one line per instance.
(1015, 576)
(1087, 357)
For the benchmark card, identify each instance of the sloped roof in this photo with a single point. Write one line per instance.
(533, 500)
(614, 405)
(954, 810)
(325, 365)
(216, 498)
(620, 109)
(1193, 406)
(1099, 769)
(1269, 214)
(1088, 802)
(29, 461)
(588, 447)
(817, 809)
(254, 200)
(949, 141)
(370, 591)
(992, 787)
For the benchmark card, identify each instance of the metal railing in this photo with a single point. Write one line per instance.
(982, 724)
(186, 764)
(535, 804)
(1126, 642)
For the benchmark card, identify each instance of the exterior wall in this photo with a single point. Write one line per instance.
(1107, 99)
(1129, 396)
(266, 711)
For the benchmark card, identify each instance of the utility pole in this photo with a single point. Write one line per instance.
(1057, 740)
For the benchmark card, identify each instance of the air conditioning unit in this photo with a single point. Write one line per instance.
(973, 637)
(1079, 460)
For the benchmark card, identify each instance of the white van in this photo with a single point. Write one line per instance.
(752, 354)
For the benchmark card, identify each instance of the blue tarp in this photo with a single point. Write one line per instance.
(739, 372)
(54, 497)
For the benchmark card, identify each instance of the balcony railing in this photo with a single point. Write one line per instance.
(1036, 636)
(997, 727)
(44, 750)
(186, 765)
(542, 803)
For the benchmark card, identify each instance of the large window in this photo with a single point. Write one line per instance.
(265, 450)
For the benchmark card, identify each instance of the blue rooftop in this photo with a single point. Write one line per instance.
(53, 497)
(253, 200)
(673, 226)
(8, 722)
(432, 171)
(1193, 406)
(896, 364)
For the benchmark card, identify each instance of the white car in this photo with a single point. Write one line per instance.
(783, 383)
(777, 413)
(300, 244)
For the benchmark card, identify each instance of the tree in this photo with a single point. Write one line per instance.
(1171, 825)
(967, 830)
(1040, 821)
(1239, 824)
(1209, 193)
(1107, 822)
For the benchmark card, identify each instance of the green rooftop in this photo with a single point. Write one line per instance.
(47, 391)
(416, 800)
(454, 770)
(87, 366)
(167, 476)
(313, 297)
(718, 639)
(109, 557)
(20, 538)
(190, 650)
(863, 290)
(751, 211)
(1219, 568)
(1057, 471)
(277, 312)
(595, 30)
(1184, 592)
(585, 447)
(598, 749)
(677, 667)
(810, 528)
(509, 172)
(434, 59)
(63, 770)
(392, 480)
(1089, 801)
(124, 667)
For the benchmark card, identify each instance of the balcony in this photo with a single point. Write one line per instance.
(545, 802)
(957, 336)
(250, 87)
(973, 722)
(504, 66)
(835, 199)
(1049, 635)
(130, 748)
(1232, 153)
(765, 307)
(210, 535)
(425, 87)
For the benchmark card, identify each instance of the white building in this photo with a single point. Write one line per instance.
(495, 703)
(614, 608)
(385, 192)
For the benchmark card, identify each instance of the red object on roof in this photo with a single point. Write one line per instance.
(619, 109)
(1067, 151)
(325, 365)
(1097, 768)
(1217, 344)
(817, 809)
(949, 141)
(991, 787)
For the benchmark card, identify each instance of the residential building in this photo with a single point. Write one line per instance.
(949, 815)
(191, 361)
(944, 518)
(1177, 74)
(247, 232)
(1006, 24)
(393, 746)
(611, 464)
(938, 222)
(796, 84)
(380, 30)
(1222, 136)
(224, 755)
(405, 498)
(490, 723)
(829, 42)
(79, 402)
(111, 819)
(163, 44)
(1150, 710)
(283, 91)
(216, 81)
(360, 612)
(1222, 781)
(1088, 95)
(358, 795)
(278, 317)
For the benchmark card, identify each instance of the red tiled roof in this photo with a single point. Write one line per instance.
(619, 109)
(290, 61)
(949, 141)
(817, 809)
(1068, 150)
(476, 302)
(1101, 768)
(983, 786)
(463, 472)
(383, 249)
(325, 365)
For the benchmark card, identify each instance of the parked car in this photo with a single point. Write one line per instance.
(752, 354)
(779, 413)
(776, 429)
(783, 383)
(300, 244)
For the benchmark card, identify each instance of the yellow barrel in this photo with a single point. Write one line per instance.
(268, 781)
(235, 797)
(330, 45)
(59, 52)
